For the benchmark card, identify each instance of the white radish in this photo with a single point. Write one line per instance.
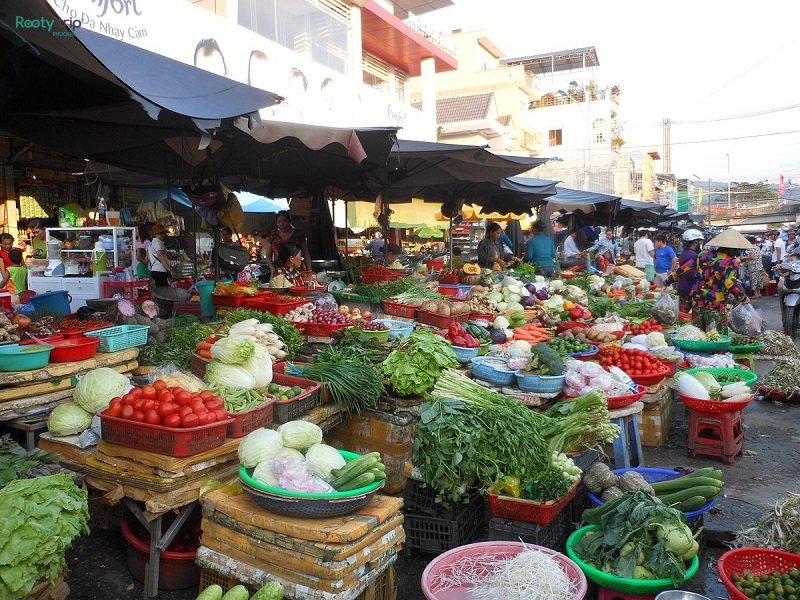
(735, 389)
(740, 398)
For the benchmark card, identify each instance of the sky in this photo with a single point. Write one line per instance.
(707, 65)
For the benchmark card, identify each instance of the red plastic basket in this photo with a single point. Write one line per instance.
(623, 401)
(163, 440)
(564, 325)
(651, 379)
(288, 410)
(435, 264)
(483, 316)
(230, 301)
(246, 421)
(450, 279)
(759, 561)
(518, 509)
(714, 406)
(276, 307)
(440, 321)
(320, 329)
(671, 365)
(381, 277)
(70, 350)
(399, 310)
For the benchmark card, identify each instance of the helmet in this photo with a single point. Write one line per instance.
(691, 235)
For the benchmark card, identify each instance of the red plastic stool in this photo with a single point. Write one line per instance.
(606, 594)
(716, 434)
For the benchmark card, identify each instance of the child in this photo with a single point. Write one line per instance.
(17, 272)
(6, 244)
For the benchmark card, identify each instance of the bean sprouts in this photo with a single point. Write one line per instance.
(529, 575)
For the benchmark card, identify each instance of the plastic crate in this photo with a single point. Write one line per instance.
(210, 577)
(439, 534)
(198, 365)
(399, 310)
(420, 499)
(288, 410)
(368, 277)
(163, 440)
(120, 337)
(553, 535)
(229, 301)
(103, 515)
(324, 330)
(518, 509)
(277, 308)
(440, 321)
(246, 421)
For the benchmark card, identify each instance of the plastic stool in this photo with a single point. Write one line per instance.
(716, 434)
(606, 594)
(628, 445)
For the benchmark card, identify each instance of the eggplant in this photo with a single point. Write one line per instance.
(542, 294)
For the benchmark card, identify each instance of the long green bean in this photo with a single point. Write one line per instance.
(237, 399)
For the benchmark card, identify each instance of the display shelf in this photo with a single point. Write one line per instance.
(123, 257)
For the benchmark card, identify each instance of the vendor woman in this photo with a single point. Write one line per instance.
(283, 232)
(290, 257)
(37, 236)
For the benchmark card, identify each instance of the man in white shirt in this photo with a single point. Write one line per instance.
(572, 254)
(644, 250)
(778, 251)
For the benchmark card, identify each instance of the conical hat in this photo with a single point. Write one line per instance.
(730, 238)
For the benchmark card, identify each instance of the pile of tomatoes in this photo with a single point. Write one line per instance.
(636, 363)
(645, 327)
(173, 407)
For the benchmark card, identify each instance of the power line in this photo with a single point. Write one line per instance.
(767, 111)
(725, 139)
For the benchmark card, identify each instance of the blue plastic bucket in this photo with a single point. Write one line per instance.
(205, 289)
(57, 302)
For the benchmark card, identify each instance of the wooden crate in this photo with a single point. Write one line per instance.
(377, 431)
(656, 417)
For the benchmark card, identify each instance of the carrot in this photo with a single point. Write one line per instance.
(204, 346)
(205, 353)
(212, 338)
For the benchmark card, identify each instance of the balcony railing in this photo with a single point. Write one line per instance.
(425, 30)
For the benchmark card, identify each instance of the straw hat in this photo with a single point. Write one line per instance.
(730, 238)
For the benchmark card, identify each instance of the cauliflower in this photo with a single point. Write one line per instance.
(655, 339)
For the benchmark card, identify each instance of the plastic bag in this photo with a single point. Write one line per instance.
(296, 475)
(666, 308)
(745, 320)
(326, 302)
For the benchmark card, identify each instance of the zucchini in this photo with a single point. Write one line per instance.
(692, 503)
(212, 592)
(706, 491)
(683, 483)
(361, 481)
(238, 592)
(705, 472)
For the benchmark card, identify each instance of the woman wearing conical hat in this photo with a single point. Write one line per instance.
(717, 282)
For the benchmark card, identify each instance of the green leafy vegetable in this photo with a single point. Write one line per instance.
(41, 517)
(636, 310)
(600, 307)
(18, 463)
(416, 364)
(183, 339)
(352, 378)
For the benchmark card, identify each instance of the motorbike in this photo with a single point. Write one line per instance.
(789, 297)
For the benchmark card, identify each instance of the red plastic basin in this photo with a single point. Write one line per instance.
(73, 349)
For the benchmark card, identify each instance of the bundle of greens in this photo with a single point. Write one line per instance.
(635, 310)
(467, 431)
(415, 365)
(291, 336)
(350, 374)
(178, 350)
(600, 307)
(638, 537)
(384, 291)
(18, 463)
(41, 517)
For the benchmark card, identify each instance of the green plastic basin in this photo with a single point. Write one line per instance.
(24, 358)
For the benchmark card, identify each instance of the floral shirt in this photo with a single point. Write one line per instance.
(717, 278)
(285, 278)
(275, 241)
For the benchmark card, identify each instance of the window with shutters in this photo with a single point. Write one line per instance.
(554, 137)
(318, 29)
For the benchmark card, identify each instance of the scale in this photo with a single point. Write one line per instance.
(55, 268)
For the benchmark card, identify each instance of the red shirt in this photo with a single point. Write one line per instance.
(4, 256)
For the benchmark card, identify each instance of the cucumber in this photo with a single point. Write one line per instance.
(706, 491)
(706, 472)
(362, 480)
(351, 474)
(212, 592)
(354, 464)
(682, 483)
(238, 592)
(379, 475)
(692, 503)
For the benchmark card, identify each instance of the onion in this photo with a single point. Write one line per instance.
(21, 321)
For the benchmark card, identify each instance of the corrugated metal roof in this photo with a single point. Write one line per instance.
(463, 108)
(553, 62)
(505, 120)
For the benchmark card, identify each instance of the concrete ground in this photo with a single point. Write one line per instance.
(767, 471)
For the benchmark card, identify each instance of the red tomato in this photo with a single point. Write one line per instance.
(183, 394)
(202, 418)
(185, 410)
(129, 398)
(127, 411)
(206, 394)
(175, 390)
(221, 414)
(166, 408)
(137, 416)
(198, 406)
(138, 404)
(173, 420)
(190, 420)
(151, 417)
(149, 391)
(114, 407)
(136, 392)
(149, 405)
(183, 400)
(159, 385)
(166, 397)
(213, 405)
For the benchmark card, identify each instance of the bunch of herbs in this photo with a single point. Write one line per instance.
(415, 365)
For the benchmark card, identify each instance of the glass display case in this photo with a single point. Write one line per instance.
(85, 246)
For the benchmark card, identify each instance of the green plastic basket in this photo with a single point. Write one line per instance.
(720, 345)
(732, 375)
(746, 349)
(642, 587)
(380, 336)
(245, 475)
(121, 337)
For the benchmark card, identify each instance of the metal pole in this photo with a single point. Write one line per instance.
(709, 201)
(729, 180)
